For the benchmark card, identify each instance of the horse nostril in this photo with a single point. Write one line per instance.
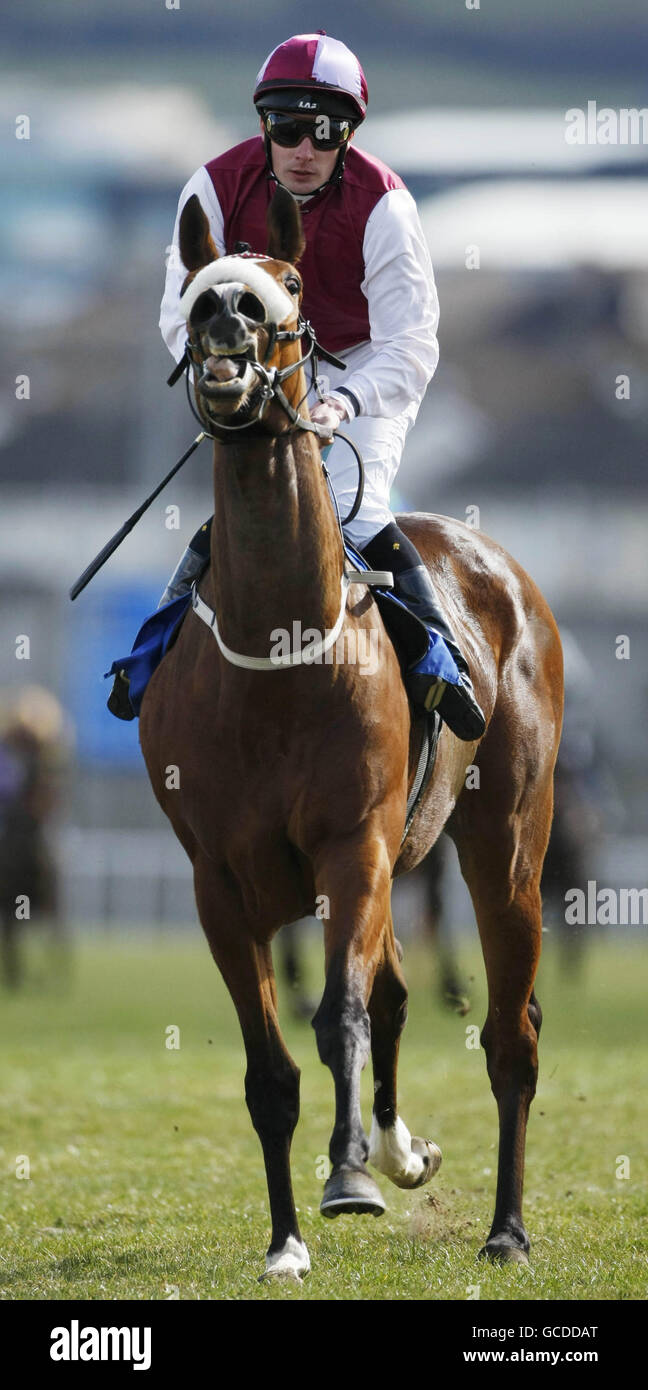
(208, 306)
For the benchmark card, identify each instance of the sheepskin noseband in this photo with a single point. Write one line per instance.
(247, 271)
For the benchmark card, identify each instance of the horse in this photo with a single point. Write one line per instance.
(286, 780)
(34, 753)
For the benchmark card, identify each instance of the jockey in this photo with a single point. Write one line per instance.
(369, 294)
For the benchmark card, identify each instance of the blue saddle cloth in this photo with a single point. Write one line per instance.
(414, 643)
(149, 647)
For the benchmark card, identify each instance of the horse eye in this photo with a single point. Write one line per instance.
(251, 307)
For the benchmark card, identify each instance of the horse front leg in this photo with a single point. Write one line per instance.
(406, 1161)
(272, 1078)
(354, 875)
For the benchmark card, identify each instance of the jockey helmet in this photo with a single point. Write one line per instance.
(312, 75)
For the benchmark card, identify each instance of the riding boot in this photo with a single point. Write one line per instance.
(448, 687)
(190, 565)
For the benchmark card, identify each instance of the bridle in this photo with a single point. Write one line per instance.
(271, 379)
(271, 388)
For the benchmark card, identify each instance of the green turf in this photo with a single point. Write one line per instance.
(146, 1179)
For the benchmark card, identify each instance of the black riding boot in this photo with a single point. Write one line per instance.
(392, 550)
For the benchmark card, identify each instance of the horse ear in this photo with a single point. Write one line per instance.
(286, 240)
(196, 246)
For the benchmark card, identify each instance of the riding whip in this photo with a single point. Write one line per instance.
(112, 545)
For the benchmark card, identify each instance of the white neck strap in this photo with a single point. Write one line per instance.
(271, 663)
(311, 651)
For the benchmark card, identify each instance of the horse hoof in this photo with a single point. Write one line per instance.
(349, 1192)
(407, 1162)
(269, 1275)
(502, 1250)
(291, 1262)
(430, 1154)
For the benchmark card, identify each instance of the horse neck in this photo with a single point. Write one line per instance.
(276, 551)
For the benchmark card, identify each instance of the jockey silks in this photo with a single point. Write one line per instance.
(334, 221)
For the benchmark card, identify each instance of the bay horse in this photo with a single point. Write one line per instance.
(288, 786)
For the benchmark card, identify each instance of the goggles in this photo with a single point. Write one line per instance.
(325, 132)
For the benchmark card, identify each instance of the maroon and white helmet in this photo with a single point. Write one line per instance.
(313, 73)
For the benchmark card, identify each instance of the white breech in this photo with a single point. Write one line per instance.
(381, 443)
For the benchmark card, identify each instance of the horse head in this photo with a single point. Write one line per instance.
(242, 314)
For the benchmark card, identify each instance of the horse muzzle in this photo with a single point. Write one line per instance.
(226, 375)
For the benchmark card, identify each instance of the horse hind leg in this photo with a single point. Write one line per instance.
(408, 1162)
(501, 835)
(510, 1038)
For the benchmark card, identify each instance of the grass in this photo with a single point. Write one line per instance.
(146, 1179)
